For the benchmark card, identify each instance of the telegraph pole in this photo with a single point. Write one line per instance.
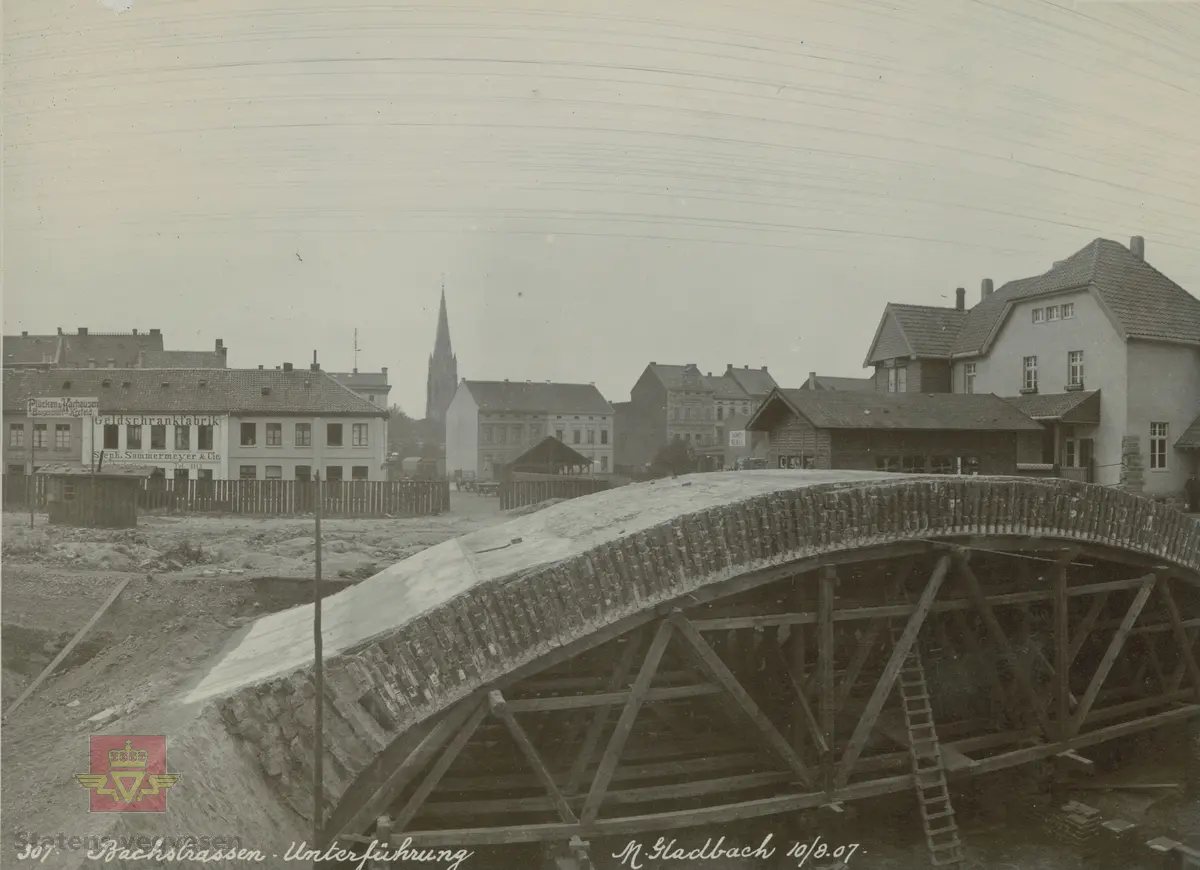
(319, 681)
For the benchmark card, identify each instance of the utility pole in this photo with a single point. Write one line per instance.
(319, 681)
(356, 350)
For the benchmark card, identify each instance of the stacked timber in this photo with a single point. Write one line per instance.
(1075, 824)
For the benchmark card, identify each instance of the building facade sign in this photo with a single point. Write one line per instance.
(159, 420)
(737, 437)
(63, 406)
(161, 458)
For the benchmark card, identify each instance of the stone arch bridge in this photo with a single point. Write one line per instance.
(711, 647)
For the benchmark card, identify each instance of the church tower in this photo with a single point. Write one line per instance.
(443, 372)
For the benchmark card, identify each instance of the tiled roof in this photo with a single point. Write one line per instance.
(1056, 406)
(550, 451)
(196, 391)
(684, 377)
(919, 411)
(180, 359)
(842, 385)
(726, 388)
(1190, 439)
(1145, 303)
(928, 330)
(756, 382)
(122, 348)
(28, 349)
(538, 398)
(362, 380)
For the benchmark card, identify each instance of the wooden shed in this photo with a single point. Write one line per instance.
(78, 496)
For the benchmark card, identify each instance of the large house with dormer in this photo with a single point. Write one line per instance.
(1102, 349)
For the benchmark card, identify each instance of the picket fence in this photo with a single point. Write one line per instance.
(519, 493)
(346, 498)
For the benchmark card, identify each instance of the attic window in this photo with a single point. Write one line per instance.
(307, 382)
(266, 391)
(66, 385)
(204, 383)
(126, 384)
(106, 383)
(165, 384)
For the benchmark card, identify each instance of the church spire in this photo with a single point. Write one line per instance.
(443, 368)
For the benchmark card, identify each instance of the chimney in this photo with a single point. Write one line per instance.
(1137, 247)
(135, 331)
(385, 370)
(60, 330)
(653, 363)
(24, 333)
(354, 370)
(220, 345)
(812, 380)
(985, 289)
(112, 363)
(287, 367)
(83, 330)
(91, 363)
(764, 368)
(960, 298)
(260, 368)
(316, 366)
(156, 332)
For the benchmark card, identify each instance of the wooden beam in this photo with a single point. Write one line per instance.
(616, 743)
(435, 774)
(1185, 645)
(607, 699)
(896, 731)
(975, 589)
(711, 662)
(806, 710)
(1062, 649)
(865, 646)
(500, 709)
(1176, 680)
(595, 730)
(1114, 649)
(826, 596)
(70, 647)
(345, 821)
(798, 650)
(887, 679)
(1085, 626)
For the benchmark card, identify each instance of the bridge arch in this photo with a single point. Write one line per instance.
(454, 639)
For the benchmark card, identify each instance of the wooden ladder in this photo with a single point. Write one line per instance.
(933, 793)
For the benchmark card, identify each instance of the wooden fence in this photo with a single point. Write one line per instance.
(346, 498)
(518, 493)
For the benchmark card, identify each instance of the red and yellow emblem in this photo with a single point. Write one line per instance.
(128, 774)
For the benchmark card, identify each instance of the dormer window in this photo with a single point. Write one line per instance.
(203, 384)
(66, 385)
(106, 383)
(165, 384)
(266, 391)
(126, 384)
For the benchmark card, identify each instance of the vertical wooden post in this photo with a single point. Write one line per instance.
(826, 595)
(319, 682)
(30, 488)
(1062, 649)
(383, 835)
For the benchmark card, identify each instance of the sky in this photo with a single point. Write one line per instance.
(598, 185)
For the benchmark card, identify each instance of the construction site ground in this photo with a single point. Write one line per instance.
(195, 579)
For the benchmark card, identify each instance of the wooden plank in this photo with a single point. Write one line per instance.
(434, 776)
(865, 646)
(1085, 626)
(826, 597)
(500, 709)
(711, 662)
(344, 821)
(595, 730)
(633, 705)
(975, 589)
(609, 699)
(1181, 638)
(1114, 649)
(952, 759)
(1062, 649)
(1176, 679)
(70, 647)
(809, 719)
(887, 679)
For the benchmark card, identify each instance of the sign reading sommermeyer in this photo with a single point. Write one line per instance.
(63, 406)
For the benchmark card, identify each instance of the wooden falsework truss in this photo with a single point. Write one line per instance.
(808, 733)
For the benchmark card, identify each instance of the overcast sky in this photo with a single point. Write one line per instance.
(601, 184)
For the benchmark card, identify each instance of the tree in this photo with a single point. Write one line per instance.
(403, 433)
(673, 459)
